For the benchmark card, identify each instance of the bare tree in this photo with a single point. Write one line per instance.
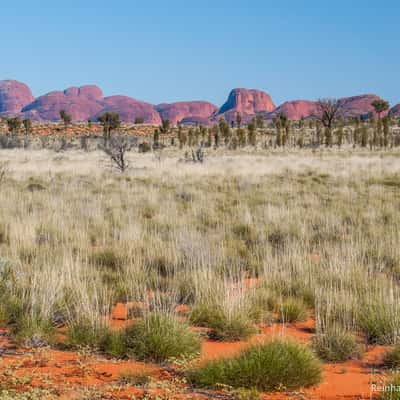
(116, 149)
(329, 110)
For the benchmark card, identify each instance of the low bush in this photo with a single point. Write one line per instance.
(391, 358)
(237, 325)
(33, 331)
(336, 345)
(107, 258)
(379, 322)
(272, 366)
(98, 337)
(159, 337)
(292, 310)
(391, 391)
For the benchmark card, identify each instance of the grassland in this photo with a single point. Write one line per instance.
(245, 241)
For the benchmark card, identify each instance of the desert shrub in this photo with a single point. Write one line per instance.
(224, 325)
(379, 322)
(159, 337)
(107, 258)
(336, 345)
(391, 358)
(97, 337)
(292, 310)
(33, 331)
(390, 387)
(246, 394)
(272, 366)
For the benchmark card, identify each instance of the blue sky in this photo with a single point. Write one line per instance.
(186, 50)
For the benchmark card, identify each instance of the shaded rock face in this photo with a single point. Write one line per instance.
(246, 102)
(186, 111)
(129, 109)
(14, 96)
(395, 110)
(295, 110)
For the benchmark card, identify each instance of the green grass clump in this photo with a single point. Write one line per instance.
(379, 322)
(159, 337)
(391, 358)
(272, 366)
(234, 326)
(107, 258)
(292, 310)
(336, 345)
(97, 337)
(33, 331)
(390, 391)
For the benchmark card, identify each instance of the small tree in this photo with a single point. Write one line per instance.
(386, 132)
(329, 110)
(364, 136)
(182, 138)
(116, 149)
(165, 127)
(110, 121)
(252, 132)
(340, 136)
(13, 125)
(260, 121)
(238, 120)
(65, 117)
(241, 135)
(225, 130)
(380, 106)
(156, 138)
(27, 125)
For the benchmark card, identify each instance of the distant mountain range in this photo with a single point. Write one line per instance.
(87, 102)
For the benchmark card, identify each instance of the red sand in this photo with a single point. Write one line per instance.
(71, 371)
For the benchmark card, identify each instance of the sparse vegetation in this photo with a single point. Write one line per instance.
(273, 366)
(160, 337)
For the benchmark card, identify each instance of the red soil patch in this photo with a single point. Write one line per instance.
(71, 371)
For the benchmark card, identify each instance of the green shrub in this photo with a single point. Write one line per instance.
(159, 337)
(33, 331)
(238, 325)
(272, 366)
(336, 345)
(379, 322)
(292, 310)
(391, 358)
(96, 337)
(391, 392)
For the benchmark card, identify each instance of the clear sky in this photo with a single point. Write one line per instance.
(187, 50)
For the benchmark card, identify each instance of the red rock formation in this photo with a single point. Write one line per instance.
(186, 111)
(81, 103)
(14, 96)
(245, 102)
(295, 110)
(129, 109)
(358, 105)
(351, 107)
